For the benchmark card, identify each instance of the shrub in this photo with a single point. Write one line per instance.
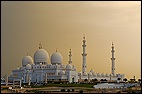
(68, 90)
(62, 90)
(81, 91)
(72, 90)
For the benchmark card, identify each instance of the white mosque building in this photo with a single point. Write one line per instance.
(40, 70)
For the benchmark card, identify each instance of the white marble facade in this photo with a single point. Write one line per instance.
(40, 70)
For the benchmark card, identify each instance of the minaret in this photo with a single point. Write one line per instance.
(113, 61)
(84, 56)
(70, 57)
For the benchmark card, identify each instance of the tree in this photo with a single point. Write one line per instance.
(81, 91)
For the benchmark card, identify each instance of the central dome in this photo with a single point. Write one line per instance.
(41, 56)
(56, 58)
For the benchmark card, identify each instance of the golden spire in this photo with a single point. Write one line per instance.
(84, 37)
(70, 48)
(40, 46)
(112, 44)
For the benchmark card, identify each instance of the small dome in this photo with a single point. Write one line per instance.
(18, 68)
(106, 75)
(56, 58)
(110, 74)
(27, 60)
(94, 74)
(74, 68)
(102, 74)
(79, 73)
(85, 73)
(41, 56)
(49, 64)
(69, 67)
(28, 66)
(40, 64)
(90, 73)
(98, 74)
(62, 72)
(114, 75)
(33, 64)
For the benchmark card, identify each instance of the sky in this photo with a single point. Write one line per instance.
(62, 24)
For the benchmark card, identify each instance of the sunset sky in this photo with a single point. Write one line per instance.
(62, 24)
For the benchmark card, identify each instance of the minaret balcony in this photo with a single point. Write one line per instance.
(112, 51)
(84, 54)
(112, 58)
(83, 45)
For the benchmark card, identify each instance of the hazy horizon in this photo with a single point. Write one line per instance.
(62, 24)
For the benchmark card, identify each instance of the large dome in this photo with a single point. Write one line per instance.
(41, 56)
(56, 58)
(27, 60)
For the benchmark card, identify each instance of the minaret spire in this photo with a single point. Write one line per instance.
(84, 56)
(70, 57)
(84, 37)
(40, 46)
(113, 60)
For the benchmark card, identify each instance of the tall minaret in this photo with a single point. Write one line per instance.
(113, 61)
(70, 57)
(84, 56)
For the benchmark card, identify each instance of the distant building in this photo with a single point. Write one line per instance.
(41, 71)
(114, 85)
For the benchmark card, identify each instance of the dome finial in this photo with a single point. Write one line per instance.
(70, 48)
(84, 36)
(40, 46)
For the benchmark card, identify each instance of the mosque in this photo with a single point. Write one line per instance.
(40, 70)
